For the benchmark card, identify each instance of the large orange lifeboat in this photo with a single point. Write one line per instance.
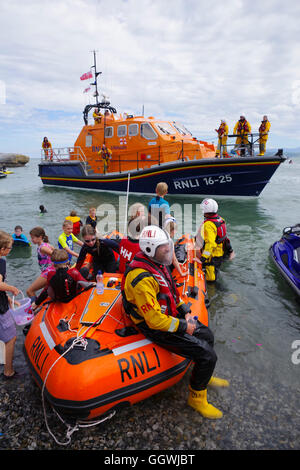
(114, 147)
(90, 360)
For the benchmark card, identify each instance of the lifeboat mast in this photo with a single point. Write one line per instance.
(104, 104)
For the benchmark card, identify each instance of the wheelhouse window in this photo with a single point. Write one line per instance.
(88, 140)
(181, 129)
(122, 130)
(147, 131)
(109, 131)
(133, 129)
(165, 128)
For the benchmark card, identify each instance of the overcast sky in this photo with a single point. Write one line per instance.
(195, 61)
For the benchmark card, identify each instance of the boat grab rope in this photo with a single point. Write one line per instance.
(70, 429)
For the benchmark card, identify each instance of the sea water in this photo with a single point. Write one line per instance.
(254, 314)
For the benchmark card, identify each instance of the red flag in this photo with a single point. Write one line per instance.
(87, 89)
(87, 75)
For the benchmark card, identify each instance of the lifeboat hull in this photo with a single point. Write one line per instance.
(237, 176)
(89, 358)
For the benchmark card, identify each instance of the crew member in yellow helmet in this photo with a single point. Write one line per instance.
(242, 129)
(264, 129)
(222, 139)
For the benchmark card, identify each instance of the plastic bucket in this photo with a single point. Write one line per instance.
(23, 314)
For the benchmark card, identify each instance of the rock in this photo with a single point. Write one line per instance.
(13, 159)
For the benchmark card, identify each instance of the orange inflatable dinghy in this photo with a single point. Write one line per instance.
(90, 359)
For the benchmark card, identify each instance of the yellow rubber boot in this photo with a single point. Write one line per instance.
(217, 382)
(198, 400)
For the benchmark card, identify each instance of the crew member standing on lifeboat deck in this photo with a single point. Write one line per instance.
(264, 129)
(222, 139)
(212, 240)
(46, 145)
(242, 129)
(97, 116)
(106, 155)
(152, 300)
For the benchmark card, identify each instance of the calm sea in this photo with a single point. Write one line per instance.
(254, 314)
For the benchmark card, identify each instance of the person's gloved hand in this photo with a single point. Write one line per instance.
(183, 309)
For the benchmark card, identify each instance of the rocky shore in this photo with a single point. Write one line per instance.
(255, 418)
(13, 159)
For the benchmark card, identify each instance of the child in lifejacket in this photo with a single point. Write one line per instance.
(64, 283)
(92, 218)
(67, 239)
(77, 223)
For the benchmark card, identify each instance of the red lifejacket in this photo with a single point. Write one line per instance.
(221, 130)
(76, 228)
(262, 127)
(221, 227)
(243, 126)
(168, 296)
(128, 248)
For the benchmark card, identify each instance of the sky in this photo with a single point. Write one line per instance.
(193, 61)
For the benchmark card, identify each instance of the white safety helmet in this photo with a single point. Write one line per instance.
(209, 205)
(151, 238)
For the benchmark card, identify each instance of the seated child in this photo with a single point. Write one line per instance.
(64, 283)
(19, 237)
(67, 238)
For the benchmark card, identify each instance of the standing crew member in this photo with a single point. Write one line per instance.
(97, 116)
(106, 155)
(152, 300)
(264, 129)
(242, 129)
(222, 139)
(212, 242)
(46, 145)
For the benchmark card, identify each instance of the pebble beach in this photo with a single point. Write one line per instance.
(254, 419)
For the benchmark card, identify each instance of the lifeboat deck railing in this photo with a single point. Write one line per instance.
(61, 154)
(243, 145)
